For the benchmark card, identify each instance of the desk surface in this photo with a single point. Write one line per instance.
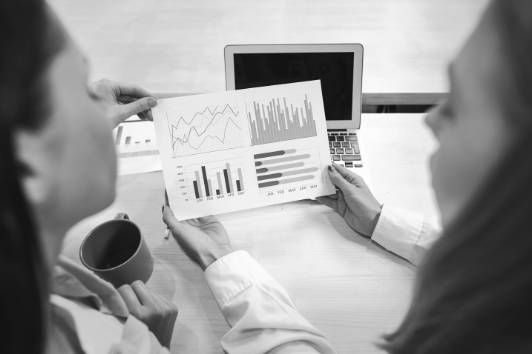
(177, 46)
(348, 287)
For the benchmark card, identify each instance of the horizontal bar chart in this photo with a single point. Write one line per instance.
(299, 165)
(288, 173)
(285, 181)
(280, 167)
(282, 159)
(274, 153)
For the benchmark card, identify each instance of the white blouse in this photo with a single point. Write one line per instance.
(262, 317)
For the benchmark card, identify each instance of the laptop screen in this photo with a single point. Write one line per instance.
(335, 70)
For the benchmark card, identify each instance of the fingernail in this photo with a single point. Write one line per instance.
(152, 102)
(331, 169)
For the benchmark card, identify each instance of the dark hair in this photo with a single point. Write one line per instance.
(474, 291)
(28, 42)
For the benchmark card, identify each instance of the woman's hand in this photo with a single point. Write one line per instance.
(124, 100)
(354, 201)
(153, 310)
(204, 239)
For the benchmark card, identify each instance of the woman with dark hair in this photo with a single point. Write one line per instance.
(473, 294)
(58, 166)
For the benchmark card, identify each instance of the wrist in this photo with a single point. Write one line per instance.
(211, 256)
(375, 220)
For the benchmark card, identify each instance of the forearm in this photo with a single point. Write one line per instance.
(405, 233)
(260, 312)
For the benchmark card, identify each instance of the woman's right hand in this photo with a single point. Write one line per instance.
(204, 239)
(353, 201)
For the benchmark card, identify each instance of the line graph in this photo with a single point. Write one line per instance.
(205, 129)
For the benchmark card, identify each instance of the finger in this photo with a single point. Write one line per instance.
(349, 176)
(173, 224)
(132, 90)
(140, 105)
(143, 293)
(166, 202)
(131, 300)
(142, 116)
(339, 181)
(148, 114)
(331, 203)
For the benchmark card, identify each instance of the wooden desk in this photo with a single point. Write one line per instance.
(177, 46)
(351, 289)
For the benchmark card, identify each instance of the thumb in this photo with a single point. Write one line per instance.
(140, 105)
(339, 181)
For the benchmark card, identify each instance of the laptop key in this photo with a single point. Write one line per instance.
(336, 158)
(340, 151)
(337, 145)
(357, 149)
(345, 144)
(330, 144)
(351, 138)
(358, 165)
(349, 164)
(332, 138)
(348, 151)
(352, 133)
(351, 157)
(334, 133)
(332, 151)
(339, 138)
(343, 133)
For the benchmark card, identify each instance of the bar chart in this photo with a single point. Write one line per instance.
(287, 167)
(137, 149)
(280, 119)
(215, 179)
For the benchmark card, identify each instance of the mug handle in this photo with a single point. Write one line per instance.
(121, 216)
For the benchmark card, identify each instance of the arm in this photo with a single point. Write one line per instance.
(402, 232)
(260, 312)
(262, 317)
(405, 233)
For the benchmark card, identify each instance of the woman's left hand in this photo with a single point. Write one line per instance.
(124, 100)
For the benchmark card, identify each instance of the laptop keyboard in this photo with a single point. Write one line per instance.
(344, 149)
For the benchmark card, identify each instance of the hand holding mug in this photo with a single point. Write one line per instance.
(150, 308)
(204, 239)
(353, 201)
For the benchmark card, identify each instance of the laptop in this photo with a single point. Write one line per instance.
(337, 66)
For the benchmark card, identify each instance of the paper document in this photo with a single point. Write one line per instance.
(235, 150)
(136, 148)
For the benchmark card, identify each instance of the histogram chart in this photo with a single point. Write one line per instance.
(215, 179)
(205, 129)
(299, 167)
(280, 119)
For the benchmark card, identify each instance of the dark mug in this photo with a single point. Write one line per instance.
(117, 252)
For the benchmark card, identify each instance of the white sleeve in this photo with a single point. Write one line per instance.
(260, 312)
(405, 233)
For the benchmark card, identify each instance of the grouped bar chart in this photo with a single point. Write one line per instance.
(289, 166)
(215, 179)
(280, 119)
